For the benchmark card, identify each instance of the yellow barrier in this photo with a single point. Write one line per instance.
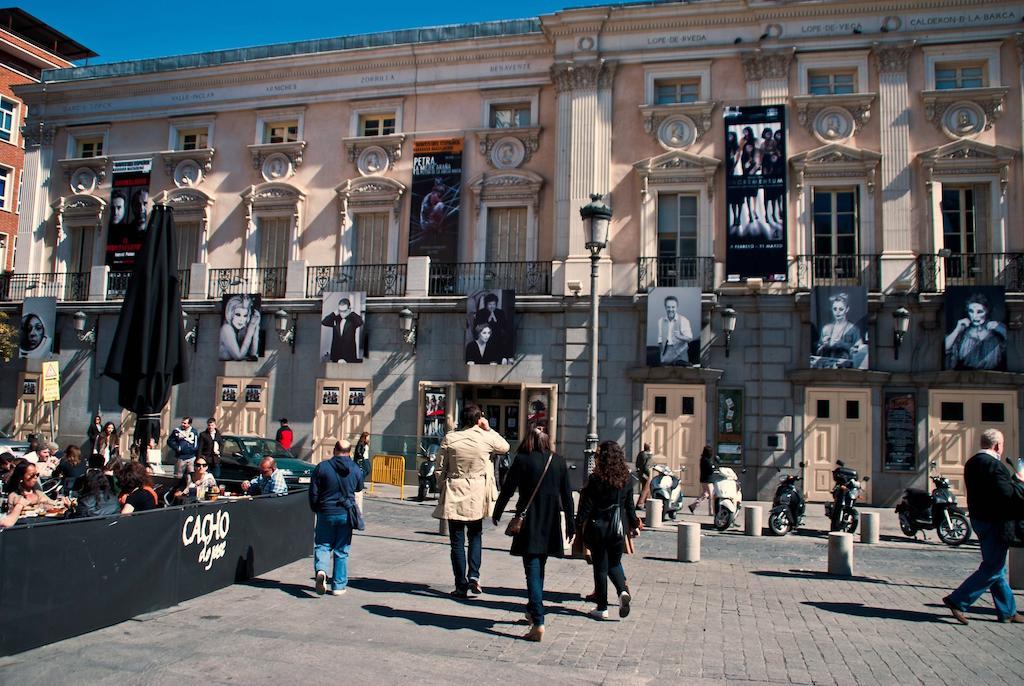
(388, 469)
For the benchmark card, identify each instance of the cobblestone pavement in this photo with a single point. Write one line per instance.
(753, 611)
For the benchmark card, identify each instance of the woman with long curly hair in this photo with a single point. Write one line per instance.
(606, 517)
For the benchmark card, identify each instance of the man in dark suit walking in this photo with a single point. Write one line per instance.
(344, 327)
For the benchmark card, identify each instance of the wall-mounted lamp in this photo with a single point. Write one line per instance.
(191, 335)
(900, 325)
(728, 325)
(574, 286)
(285, 332)
(407, 319)
(80, 321)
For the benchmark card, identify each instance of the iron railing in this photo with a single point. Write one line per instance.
(678, 271)
(270, 282)
(117, 284)
(463, 278)
(373, 279)
(936, 272)
(63, 286)
(838, 270)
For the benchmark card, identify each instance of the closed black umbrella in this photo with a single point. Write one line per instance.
(148, 356)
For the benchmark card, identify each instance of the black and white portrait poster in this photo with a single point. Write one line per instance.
(38, 319)
(341, 326)
(755, 193)
(240, 327)
(673, 327)
(331, 395)
(229, 393)
(839, 318)
(975, 328)
(491, 327)
(129, 203)
(436, 193)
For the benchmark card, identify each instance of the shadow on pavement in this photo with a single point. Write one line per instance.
(296, 590)
(387, 586)
(449, 622)
(809, 574)
(861, 610)
(552, 596)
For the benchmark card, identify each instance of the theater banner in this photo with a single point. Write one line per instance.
(755, 193)
(436, 199)
(129, 202)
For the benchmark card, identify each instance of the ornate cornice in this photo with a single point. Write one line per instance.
(202, 157)
(858, 105)
(36, 133)
(261, 151)
(97, 165)
(892, 57)
(967, 157)
(369, 191)
(767, 64)
(698, 112)
(392, 145)
(836, 161)
(529, 136)
(507, 184)
(570, 76)
(676, 167)
(990, 100)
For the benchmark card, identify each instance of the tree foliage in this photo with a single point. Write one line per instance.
(8, 338)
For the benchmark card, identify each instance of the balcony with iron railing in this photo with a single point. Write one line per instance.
(270, 282)
(463, 278)
(117, 284)
(653, 272)
(838, 270)
(373, 279)
(69, 286)
(939, 271)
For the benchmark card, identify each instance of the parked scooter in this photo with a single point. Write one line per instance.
(841, 511)
(668, 488)
(426, 473)
(788, 506)
(918, 510)
(727, 496)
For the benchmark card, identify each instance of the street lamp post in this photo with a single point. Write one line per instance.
(596, 219)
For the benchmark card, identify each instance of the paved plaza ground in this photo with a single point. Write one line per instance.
(753, 611)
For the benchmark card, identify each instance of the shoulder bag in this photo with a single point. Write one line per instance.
(516, 525)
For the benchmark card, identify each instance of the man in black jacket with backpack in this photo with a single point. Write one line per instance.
(994, 497)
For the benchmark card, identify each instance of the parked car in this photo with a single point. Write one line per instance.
(14, 446)
(240, 460)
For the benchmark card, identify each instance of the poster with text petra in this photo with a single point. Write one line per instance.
(436, 198)
(129, 203)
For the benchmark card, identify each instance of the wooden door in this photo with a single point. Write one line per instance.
(955, 422)
(31, 414)
(343, 410)
(126, 430)
(674, 423)
(837, 425)
(242, 405)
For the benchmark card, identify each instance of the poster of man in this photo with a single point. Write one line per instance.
(240, 327)
(341, 327)
(839, 318)
(975, 328)
(436, 194)
(38, 319)
(673, 327)
(129, 202)
(490, 330)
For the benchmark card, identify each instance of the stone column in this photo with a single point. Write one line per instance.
(35, 207)
(767, 73)
(894, 121)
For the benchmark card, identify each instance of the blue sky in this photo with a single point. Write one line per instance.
(130, 29)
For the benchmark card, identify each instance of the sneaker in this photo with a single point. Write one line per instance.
(598, 613)
(474, 587)
(337, 591)
(624, 600)
(321, 583)
(957, 613)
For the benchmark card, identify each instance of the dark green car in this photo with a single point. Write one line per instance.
(240, 460)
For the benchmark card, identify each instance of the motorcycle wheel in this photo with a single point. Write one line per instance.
(906, 527)
(779, 523)
(850, 521)
(957, 533)
(723, 519)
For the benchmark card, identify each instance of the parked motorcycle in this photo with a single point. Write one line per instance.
(920, 510)
(426, 473)
(788, 506)
(841, 511)
(668, 488)
(727, 496)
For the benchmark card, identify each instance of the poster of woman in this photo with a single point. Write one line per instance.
(38, 319)
(240, 330)
(975, 328)
(839, 325)
(490, 327)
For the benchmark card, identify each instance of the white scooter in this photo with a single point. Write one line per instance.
(668, 488)
(726, 495)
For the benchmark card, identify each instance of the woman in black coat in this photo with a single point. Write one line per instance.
(707, 465)
(605, 518)
(541, 534)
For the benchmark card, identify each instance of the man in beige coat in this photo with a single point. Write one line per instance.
(467, 493)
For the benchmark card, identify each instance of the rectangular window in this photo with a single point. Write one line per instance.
(853, 409)
(823, 409)
(951, 412)
(274, 240)
(951, 76)
(194, 139)
(89, 147)
(673, 91)
(5, 188)
(281, 131)
(506, 234)
(660, 404)
(8, 119)
(377, 124)
(835, 224)
(958, 219)
(82, 241)
(188, 243)
(371, 240)
(688, 405)
(677, 238)
(831, 82)
(993, 412)
(510, 116)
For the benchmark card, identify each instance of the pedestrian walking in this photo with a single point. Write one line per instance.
(184, 443)
(285, 435)
(332, 496)
(542, 479)
(995, 498)
(707, 465)
(362, 453)
(467, 493)
(643, 474)
(211, 444)
(604, 521)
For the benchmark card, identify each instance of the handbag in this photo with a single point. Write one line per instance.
(516, 525)
(1013, 533)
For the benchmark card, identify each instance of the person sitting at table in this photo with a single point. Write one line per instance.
(137, 493)
(7, 464)
(95, 499)
(194, 486)
(23, 486)
(70, 468)
(269, 482)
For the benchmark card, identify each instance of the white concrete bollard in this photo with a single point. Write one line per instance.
(442, 527)
(840, 553)
(752, 515)
(653, 512)
(1016, 568)
(869, 527)
(688, 542)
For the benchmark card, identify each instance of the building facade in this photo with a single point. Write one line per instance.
(818, 174)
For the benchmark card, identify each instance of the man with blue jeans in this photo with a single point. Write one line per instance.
(332, 492)
(993, 498)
